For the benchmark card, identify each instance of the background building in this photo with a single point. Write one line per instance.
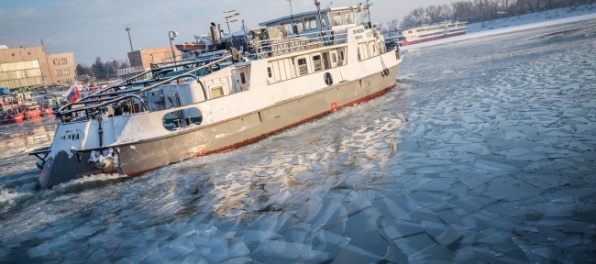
(62, 68)
(30, 67)
(144, 57)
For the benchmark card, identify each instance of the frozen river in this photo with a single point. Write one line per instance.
(486, 152)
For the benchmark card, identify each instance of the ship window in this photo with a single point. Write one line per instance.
(348, 18)
(181, 119)
(334, 57)
(242, 78)
(336, 19)
(269, 72)
(317, 62)
(302, 67)
(217, 92)
(288, 27)
(341, 57)
(310, 23)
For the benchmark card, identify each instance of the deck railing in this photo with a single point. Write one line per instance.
(292, 43)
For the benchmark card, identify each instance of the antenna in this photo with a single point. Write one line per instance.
(367, 7)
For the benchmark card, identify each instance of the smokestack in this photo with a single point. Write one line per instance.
(213, 33)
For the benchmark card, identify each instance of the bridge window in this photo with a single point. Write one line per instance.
(310, 23)
(348, 18)
(336, 19)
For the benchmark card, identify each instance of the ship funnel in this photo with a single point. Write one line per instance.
(213, 33)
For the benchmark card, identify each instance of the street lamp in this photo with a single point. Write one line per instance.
(227, 17)
(129, 41)
(172, 35)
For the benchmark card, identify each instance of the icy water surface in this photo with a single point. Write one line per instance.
(486, 152)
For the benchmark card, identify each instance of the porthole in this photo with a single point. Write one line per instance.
(328, 78)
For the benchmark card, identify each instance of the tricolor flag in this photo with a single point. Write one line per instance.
(73, 94)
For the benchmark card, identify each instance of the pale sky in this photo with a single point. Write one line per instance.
(92, 28)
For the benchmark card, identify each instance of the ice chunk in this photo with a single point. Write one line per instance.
(40, 251)
(396, 228)
(494, 237)
(475, 148)
(434, 229)
(152, 253)
(550, 165)
(256, 235)
(330, 207)
(284, 250)
(437, 185)
(414, 243)
(432, 253)
(511, 188)
(218, 250)
(174, 251)
(408, 145)
(390, 208)
(522, 154)
(193, 259)
(395, 255)
(353, 254)
(492, 166)
(98, 256)
(237, 248)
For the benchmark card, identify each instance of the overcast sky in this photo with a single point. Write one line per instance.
(96, 28)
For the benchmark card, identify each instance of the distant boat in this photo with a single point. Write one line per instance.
(433, 32)
(393, 38)
(18, 113)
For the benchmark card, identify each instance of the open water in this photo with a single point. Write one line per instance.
(486, 152)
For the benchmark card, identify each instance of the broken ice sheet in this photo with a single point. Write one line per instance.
(396, 228)
(442, 233)
(522, 154)
(510, 188)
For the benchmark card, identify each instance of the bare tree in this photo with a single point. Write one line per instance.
(392, 25)
(482, 10)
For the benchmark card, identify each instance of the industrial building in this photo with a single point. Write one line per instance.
(31, 67)
(145, 57)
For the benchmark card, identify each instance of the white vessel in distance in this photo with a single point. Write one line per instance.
(331, 61)
(433, 32)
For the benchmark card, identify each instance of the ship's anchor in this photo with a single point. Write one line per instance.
(101, 161)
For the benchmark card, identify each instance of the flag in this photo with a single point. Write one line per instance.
(73, 94)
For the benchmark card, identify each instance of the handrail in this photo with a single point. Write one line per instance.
(128, 81)
(91, 107)
(62, 112)
(188, 72)
(305, 42)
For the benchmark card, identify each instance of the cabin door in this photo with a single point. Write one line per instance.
(333, 59)
(326, 61)
(241, 79)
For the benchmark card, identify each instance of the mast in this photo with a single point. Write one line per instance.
(367, 9)
(318, 4)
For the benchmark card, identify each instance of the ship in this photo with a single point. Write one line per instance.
(19, 107)
(298, 68)
(433, 32)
